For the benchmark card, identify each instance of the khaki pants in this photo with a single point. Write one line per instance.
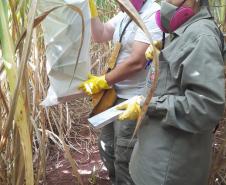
(116, 147)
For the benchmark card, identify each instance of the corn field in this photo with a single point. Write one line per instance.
(31, 135)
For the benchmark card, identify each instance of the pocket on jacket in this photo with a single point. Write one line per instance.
(123, 149)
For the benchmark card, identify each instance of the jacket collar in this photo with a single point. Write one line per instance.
(202, 14)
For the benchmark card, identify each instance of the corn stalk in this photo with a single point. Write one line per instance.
(15, 17)
(218, 8)
(18, 102)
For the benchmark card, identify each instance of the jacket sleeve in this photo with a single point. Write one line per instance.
(201, 105)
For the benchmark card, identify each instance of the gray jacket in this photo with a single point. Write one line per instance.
(174, 142)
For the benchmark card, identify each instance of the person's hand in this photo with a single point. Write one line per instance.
(132, 109)
(149, 52)
(94, 84)
(93, 9)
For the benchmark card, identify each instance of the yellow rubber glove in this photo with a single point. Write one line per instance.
(93, 9)
(132, 109)
(94, 84)
(149, 52)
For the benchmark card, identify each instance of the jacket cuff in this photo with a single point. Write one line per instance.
(154, 108)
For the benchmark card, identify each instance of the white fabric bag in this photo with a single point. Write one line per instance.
(62, 34)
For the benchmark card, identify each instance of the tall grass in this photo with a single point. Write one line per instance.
(19, 123)
(28, 135)
(218, 8)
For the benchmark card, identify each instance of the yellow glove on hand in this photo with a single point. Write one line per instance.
(94, 84)
(149, 52)
(132, 109)
(93, 9)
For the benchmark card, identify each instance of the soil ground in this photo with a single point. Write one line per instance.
(90, 166)
(92, 172)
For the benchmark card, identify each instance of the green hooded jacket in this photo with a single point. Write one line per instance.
(175, 140)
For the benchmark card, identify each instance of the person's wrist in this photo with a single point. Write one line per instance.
(105, 84)
(107, 80)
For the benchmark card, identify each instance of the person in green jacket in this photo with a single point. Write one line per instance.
(175, 138)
